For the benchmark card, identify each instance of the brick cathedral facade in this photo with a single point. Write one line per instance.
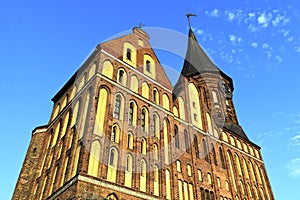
(120, 130)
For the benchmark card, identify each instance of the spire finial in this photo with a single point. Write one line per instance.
(188, 15)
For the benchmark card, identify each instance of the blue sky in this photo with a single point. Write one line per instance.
(256, 42)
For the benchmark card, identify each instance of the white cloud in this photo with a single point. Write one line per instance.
(279, 59)
(232, 38)
(214, 13)
(230, 16)
(200, 32)
(254, 44)
(251, 14)
(252, 28)
(264, 19)
(296, 141)
(290, 39)
(294, 167)
(265, 46)
(297, 48)
(269, 54)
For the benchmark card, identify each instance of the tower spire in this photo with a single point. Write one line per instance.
(188, 15)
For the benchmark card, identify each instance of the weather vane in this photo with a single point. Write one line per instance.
(188, 15)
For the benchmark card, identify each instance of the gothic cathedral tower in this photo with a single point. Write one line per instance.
(120, 130)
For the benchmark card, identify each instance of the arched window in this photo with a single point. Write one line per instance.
(189, 170)
(242, 187)
(238, 165)
(130, 140)
(128, 172)
(143, 175)
(187, 142)
(199, 175)
(112, 165)
(209, 179)
(191, 191)
(155, 96)
(84, 115)
(115, 134)
(180, 191)
(166, 140)
(214, 154)
(143, 146)
(130, 116)
(128, 54)
(156, 128)
(252, 171)
(56, 133)
(144, 120)
(121, 77)
(249, 190)
(156, 181)
(194, 107)
(176, 137)
(168, 185)
(257, 174)
(166, 102)
(118, 106)
(222, 157)
(196, 146)
(92, 71)
(205, 152)
(178, 166)
(155, 152)
(101, 112)
(181, 108)
(134, 84)
(209, 125)
(65, 124)
(107, 69)
(148, 66)
(230, 161)
(94, 158)
(145, 90)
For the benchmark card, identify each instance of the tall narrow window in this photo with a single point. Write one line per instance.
(113, 134)
(222, 157)
(144, 146)
(112, 165)
(148, 66)
(214, 154)
(176, 137)
(143, 177)
(155, 152)
(143, 119)
(130, 141)
(117, 108)
(155, 96)
(128, 172)
(168, 185)
(196, 146)
(156, 126)
(205, 152)
(128, 54)
(94, 158)
(121, 76)
(178, 166)
(156, 181)
(130, 117)
(187, 142)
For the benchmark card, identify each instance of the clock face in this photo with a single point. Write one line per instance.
(225, 88)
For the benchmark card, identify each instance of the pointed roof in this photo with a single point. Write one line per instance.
(196, 59)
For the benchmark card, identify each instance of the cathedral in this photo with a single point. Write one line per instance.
(120, 130)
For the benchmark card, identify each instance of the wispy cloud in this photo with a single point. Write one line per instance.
(294, 167)
(254, 44)
(296, 140)
(213, 13)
